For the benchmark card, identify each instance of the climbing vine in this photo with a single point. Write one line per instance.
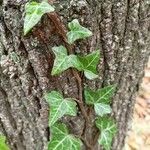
(65, 58)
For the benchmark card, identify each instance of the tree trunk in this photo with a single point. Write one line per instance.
(121, 32)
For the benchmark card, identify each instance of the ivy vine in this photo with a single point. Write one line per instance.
(99, 100)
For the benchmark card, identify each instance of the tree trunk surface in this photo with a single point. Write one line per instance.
(121, 30)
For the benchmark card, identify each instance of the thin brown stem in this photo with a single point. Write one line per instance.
(61, 30)
(96, 138)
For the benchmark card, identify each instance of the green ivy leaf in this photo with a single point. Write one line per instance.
(62, 140)
(108, 129)
(89, 64)
(34, 11)
(100, 99)
(14, 57)
(106, 93)
(77, 31)
(102, 109)
(100, 96)
(63, 61)
(3, 145)
(59, 106)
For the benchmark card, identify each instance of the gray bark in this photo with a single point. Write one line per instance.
(121, 30)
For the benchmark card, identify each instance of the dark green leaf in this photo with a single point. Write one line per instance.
(34, 11)
(90, 96)
(62, 140)
(59, 106)
(63, 61)
(100, 96)
(89, 64)
(108, 129)
(77, 31)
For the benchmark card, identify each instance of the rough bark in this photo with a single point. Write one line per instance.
(121, 30)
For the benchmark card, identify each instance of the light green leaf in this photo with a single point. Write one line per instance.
(100, 96)
(59, 106)
(90, 75)
(63, 61)
(34, 11)
(3, 145)
(77, 31)
(14, 57)
(62, 140)
(89, 64)
(102, 109)
(108, 129)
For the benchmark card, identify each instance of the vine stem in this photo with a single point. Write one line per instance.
(61, 30)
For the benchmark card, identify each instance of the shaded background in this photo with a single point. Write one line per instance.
(139, 136)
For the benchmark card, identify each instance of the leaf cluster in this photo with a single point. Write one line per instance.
(61, 139)
(87, 63)
(100, 100)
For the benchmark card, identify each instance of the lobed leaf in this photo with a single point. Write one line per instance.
(62, 140)
(89, 64)
(59, 106)
(63, 61)
(100, 99)
(3, 145)
(100, 96)
(34, 11)
(77, 31)
(108, 129)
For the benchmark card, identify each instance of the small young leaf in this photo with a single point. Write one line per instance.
(59, 106)
(100, 96)
(63, 61)
(89, 64)
(77, 31)
(34, 11)
(62, 140)
(3, 145)
(108, 129)
(14, 57)
(102, 109)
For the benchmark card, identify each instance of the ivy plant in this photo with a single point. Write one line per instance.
(34, 11)
(108, 129)
(77, 31)
(87, 63)
(3, 145)
(62, 140)
(63, 61)
(59, 106)
(99, 100)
